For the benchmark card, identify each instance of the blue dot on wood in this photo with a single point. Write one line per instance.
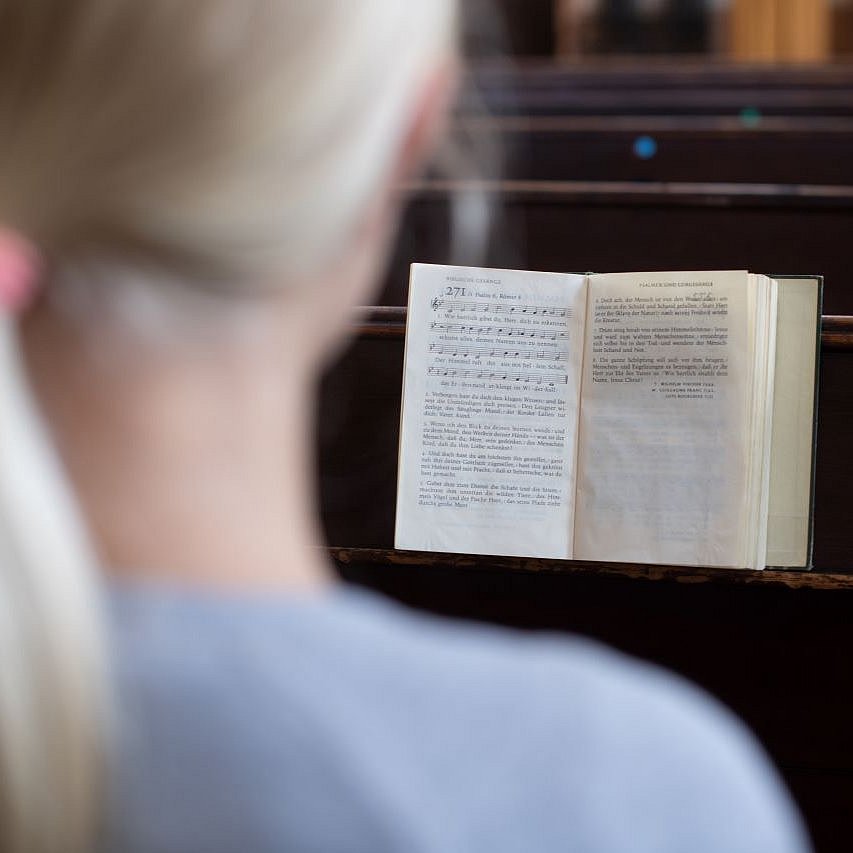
(645, 147)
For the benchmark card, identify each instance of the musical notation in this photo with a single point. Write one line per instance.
(498, 308)
(501, 375)
(498, 352)
(505, 331)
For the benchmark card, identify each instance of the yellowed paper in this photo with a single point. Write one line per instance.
(663, 448)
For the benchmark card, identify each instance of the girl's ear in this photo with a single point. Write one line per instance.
(429, 121)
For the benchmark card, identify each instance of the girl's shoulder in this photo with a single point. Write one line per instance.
(345, 721)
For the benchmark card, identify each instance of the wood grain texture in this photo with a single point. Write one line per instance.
(574, 226)
(669, 193)
(660, 87)
(380, 322)
(712, 149)
(679, 574)
(836, 333)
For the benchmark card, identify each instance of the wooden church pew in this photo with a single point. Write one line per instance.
(779, 150)
(772, 646)
(576, 226)
(657, 88)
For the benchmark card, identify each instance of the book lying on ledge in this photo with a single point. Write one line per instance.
(657, 417)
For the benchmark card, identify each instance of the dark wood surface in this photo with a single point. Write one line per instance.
(660, 88)
(814, 580)
(686, 148)
(524, 28)
(603, 226)
(836, 333)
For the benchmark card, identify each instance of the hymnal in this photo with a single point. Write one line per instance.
(657, 417)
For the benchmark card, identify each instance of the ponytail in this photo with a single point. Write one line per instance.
(216, 142)
(52, 668)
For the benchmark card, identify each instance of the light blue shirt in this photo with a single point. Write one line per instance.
(348, 723)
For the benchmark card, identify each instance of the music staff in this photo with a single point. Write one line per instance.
(501, 375)
(498, 308)
(498, 352)
(505, 331)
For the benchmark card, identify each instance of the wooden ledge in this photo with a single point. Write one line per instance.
(813, 580)
(836, 332)
(642, 193)
(687, 72)
(380, 322)
(377, 321)
(712, 125)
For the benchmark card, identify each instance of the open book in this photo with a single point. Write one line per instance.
(659, 417)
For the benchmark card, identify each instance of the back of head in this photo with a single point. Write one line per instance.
(222, 140)
(223, 143)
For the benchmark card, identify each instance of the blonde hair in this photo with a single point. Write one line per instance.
(219, 141)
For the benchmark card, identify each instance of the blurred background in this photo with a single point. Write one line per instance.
(646, 134)
(620, 135)
(740, 30)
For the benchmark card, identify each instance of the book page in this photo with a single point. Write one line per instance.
(764, 304)
(665, 419)
(490, 405)
(792, 457)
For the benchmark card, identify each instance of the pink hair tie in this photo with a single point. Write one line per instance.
(20, 267)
